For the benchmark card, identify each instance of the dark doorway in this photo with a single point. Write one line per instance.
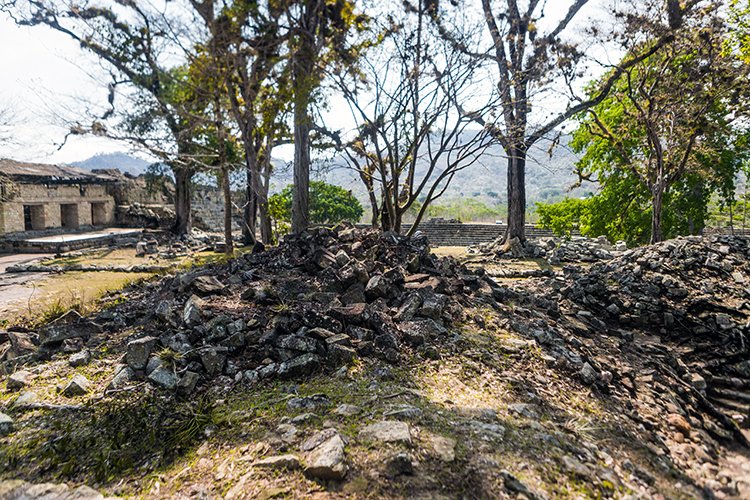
(69, 215)
(27, 225)
(98, 214)
(33, 217)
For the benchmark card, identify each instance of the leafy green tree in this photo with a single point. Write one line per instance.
(329, 204)
(667, 126)
(563, 217)
(739, 25)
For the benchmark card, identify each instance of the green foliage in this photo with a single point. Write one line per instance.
(738, 41)
(648, 145)
(329, 204)
(563, 217)
(622, 210)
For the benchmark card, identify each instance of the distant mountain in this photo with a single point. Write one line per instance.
(121, 161)
(549, 176)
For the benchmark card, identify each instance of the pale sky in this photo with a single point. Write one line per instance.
(45, 76)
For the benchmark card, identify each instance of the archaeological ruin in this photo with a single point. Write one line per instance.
(38, 197)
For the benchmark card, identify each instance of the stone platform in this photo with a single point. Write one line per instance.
(67, 242)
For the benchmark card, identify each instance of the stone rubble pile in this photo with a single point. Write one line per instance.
(661, 329)
(690, 291)
(554, 250)
(315, 302)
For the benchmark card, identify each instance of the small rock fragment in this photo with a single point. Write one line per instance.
(78, 386)
(81, 358)
(387, 431)
(18, 380)
(6, 424)
(289, 462)
(327, 460)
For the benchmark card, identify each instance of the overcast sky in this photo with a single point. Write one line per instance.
(45, 76)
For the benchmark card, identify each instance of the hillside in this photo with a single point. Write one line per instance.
(549, 175)
(121, 161)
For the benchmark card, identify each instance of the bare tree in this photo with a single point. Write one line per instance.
(531, 66)
(411, 138)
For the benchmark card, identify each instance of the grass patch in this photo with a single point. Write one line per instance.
(71, 291)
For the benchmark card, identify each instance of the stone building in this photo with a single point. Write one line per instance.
(38, 197)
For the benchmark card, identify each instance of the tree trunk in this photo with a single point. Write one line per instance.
(228, 246)
(250, 209)
(516, 193)
(657, 207)
(301, 192)
(266, 230)
(183, 218)
(302, 68)
(385, 218)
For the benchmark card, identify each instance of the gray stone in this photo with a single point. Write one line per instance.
(303, 418)
(405, 412)
(26, 398)
(213, 361)
(192, 314)
(327, 460)
(376, 287)
(123, 375)
(187, 382)
(154, 362)
(409, 308)
(164, 377)
(387, 431)
(55, 334)
(138, 352)
(298, 343)
(444, 448)
(524, 410)
(433, 305)
(208, 285)
(6, 424)
(308, 402)
(164, 310)
(346, 410)
(301, 365)
(342, 258)
(81, 358)
(588, 374)
(289, 462)
(78, 386)
(18, 380)
(698, 382)
(339, 355)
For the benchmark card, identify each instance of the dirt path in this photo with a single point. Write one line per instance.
(17, 288)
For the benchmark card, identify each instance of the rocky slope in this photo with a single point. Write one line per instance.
(350, 363)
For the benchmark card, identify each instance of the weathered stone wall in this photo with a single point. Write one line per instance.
(50, 198)
(208, 209)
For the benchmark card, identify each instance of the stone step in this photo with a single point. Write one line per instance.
(733, 382)
(729, 406)
(729, 394)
